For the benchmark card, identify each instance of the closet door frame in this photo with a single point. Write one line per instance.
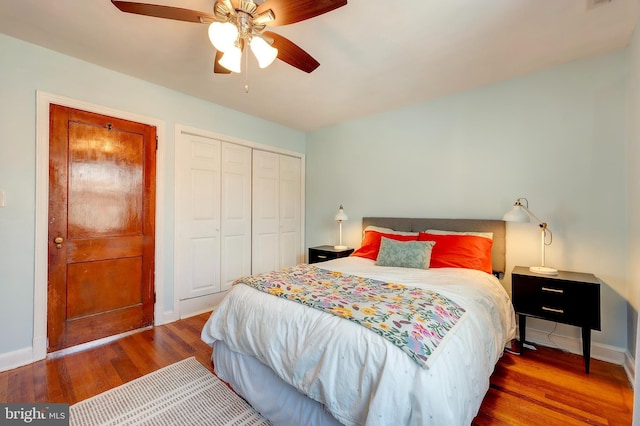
(182, 129)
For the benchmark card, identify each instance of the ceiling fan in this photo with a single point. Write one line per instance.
(235, 24)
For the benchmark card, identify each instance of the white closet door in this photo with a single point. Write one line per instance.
(197, 216)
(236, 213)
(266, 212)
(290, 211)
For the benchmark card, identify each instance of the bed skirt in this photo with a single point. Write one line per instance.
(276, 400)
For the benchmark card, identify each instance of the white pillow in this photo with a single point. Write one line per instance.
(387, 230)
(488, 235)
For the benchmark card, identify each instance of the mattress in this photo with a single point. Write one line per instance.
(299, 365)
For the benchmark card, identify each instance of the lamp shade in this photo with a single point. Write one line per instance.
(231, 59)
(516, 214)
(264, 53)
(521, 213)
(341, 215)
(223, 35)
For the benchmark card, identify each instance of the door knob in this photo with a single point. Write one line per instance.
(58, 241)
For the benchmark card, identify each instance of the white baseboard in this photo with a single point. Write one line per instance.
(15, 359)
(630, 368)
(167, 317)
(199, 305)
(608, 353)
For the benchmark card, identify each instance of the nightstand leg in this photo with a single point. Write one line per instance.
(522, 324)
(586, 347)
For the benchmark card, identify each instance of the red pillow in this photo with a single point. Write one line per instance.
(371, 243)
(459, 251)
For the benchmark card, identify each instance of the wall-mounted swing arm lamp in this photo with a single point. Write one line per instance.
(340, 217)
(520, 213)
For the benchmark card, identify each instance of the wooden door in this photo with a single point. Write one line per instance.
(101, 226)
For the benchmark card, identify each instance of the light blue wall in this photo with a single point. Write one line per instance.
(25, 68)
(557, 137)
(633, 190)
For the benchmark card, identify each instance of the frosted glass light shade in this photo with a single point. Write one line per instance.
(223, 35)
(265, 54)
(231, 59)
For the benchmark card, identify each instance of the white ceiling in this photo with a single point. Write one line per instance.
(375, 55)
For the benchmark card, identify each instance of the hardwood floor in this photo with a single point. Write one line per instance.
(75, 377)
(549, 387)
(544, 387)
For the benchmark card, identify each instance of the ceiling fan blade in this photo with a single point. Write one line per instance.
(291, 53)
(217, 68)
(166, 12)
(291, 11)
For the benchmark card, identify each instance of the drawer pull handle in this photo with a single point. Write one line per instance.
(557, 311)
(553, 290)
(322, 256)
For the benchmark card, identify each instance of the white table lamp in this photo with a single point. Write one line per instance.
(340, 217)
(521, 213)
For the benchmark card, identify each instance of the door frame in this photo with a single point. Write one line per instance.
(43, 100)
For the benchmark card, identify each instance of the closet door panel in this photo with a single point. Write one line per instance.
(266, 212)
(290, 212)
(197, 216)
(236, 213)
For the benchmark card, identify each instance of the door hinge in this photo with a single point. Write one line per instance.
(154, 297)
(156, 142)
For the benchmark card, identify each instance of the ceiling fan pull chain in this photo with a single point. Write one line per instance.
(246, 73)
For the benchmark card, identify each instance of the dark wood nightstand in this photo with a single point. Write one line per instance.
(570, 298)
(324, 253)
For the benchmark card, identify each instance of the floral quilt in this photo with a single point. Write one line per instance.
(415, 320)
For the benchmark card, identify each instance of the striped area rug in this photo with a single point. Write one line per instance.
(184, 393)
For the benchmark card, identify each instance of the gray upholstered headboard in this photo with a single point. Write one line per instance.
(498, 251)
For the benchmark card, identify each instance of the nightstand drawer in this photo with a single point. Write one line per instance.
(546, 301)
(315, 257)
(324, 253)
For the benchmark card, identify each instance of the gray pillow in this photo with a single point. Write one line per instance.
(404, 254)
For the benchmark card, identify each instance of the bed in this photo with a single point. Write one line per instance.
(318, 365)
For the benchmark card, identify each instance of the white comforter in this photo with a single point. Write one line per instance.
(359, 376)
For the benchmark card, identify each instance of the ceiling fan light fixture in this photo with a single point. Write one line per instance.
(231, 59)
(223, 35)
(264, 53)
